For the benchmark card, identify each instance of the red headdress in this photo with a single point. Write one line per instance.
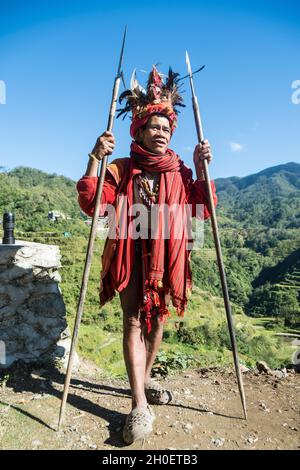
(160, 98)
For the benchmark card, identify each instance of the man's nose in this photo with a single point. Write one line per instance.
(161, 132)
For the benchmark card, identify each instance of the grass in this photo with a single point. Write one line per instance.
(103, 348)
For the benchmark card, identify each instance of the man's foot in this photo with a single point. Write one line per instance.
(138, 424)
(156, 394)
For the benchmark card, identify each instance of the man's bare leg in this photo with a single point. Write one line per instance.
(134, 350)
(156, 394)
(152, 342)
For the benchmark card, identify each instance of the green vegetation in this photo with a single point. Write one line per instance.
(30, 194)
(258, 218)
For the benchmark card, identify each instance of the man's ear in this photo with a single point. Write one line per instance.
(138, 136)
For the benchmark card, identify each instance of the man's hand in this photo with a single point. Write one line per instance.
(202, 152)
(104, 146)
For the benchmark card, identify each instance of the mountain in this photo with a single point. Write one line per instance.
(285, 273)
(258, 217)
(290, 172)
(269, 198)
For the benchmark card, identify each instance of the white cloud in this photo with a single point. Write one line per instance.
(236, 146)
(187, 149)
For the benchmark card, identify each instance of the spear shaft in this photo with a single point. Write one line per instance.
(199, 129)
(92, 237)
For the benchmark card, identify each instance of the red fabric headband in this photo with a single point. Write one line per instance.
(161, 108)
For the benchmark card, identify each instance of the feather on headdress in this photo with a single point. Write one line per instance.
(159, 98)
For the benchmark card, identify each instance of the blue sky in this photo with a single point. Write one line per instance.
(58, 60)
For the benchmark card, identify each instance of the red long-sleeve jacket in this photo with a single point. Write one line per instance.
(196, 192)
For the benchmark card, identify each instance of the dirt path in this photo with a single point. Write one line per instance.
(206, 413)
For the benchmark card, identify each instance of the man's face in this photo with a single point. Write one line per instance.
(156, 135)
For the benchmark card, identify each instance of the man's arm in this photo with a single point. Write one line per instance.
(87, 185)
(196, 191)
(104, 145)
(199, 195)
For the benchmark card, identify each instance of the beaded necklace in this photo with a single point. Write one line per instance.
(148, 196)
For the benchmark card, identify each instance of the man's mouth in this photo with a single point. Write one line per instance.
(160, 142)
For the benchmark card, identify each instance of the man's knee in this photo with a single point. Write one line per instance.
(132, 322)
(157, 327)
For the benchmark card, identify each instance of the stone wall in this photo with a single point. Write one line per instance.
(32, 310)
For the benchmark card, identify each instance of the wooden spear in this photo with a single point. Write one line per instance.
(217, 243)
(92, 237)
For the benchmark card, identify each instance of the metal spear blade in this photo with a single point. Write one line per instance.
(122, 53)
(188, 63)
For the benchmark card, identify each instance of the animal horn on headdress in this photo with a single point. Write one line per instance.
(135, 96)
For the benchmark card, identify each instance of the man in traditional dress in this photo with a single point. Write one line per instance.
(147, 270)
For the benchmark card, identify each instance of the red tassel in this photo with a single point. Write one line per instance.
(180, 311)
(164, 314)
(154, 303)
(155, 284)
(148, 322)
